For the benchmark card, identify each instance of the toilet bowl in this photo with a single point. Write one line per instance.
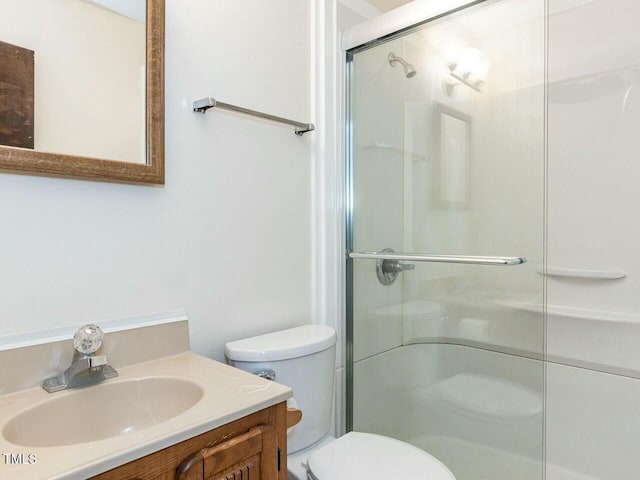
(360, 456)
(297, 468)
(303, 358)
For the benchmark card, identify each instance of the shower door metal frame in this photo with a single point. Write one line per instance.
(348, 203)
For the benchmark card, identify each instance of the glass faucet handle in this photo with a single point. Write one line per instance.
(88, 339)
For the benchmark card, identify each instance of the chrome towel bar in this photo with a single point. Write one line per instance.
(205, 104)
(421, 257)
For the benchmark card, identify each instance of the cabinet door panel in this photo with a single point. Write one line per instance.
(248, 469)
(249, 456)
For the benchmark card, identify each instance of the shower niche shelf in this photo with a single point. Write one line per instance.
(391, 148)
(582, 273)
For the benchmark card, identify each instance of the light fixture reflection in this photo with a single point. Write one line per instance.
(470, 68)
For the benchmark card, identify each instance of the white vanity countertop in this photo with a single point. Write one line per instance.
(229, 394)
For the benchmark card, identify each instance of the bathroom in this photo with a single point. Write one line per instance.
(247, 234)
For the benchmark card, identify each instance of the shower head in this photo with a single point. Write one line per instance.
(409, 71)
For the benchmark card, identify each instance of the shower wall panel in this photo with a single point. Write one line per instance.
(489, 326)
(378, 177)
(593, 323)
(449, 357)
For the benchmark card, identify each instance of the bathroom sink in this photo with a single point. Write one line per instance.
(102, 411)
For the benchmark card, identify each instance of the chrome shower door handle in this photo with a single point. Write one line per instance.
(387, 270)
(388, 262)
(396, 266)
(429, 258)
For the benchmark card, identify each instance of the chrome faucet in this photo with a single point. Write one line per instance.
(86, 367)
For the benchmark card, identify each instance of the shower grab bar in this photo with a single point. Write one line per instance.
(205, 104)
(421, 257)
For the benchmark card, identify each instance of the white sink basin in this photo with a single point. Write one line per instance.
(102, 411)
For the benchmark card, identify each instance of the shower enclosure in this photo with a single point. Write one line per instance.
(446, 241)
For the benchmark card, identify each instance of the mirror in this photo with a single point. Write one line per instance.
(453, 147)
(82, 88)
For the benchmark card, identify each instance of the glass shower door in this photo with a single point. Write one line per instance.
(446, 239)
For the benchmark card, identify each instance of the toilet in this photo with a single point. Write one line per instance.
(303, 358)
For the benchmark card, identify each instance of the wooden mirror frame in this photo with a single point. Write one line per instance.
(46, 163)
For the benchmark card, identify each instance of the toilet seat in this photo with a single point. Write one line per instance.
(366, 456)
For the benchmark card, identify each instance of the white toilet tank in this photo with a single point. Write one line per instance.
(302, 358)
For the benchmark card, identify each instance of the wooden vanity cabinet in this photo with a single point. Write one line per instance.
(251, 448)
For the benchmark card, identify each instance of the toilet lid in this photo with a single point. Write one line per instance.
(365, 456)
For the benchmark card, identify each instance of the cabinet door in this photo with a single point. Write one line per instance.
(250, 456)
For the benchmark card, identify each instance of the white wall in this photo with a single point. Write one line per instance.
(227, 238)
(89, 76)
